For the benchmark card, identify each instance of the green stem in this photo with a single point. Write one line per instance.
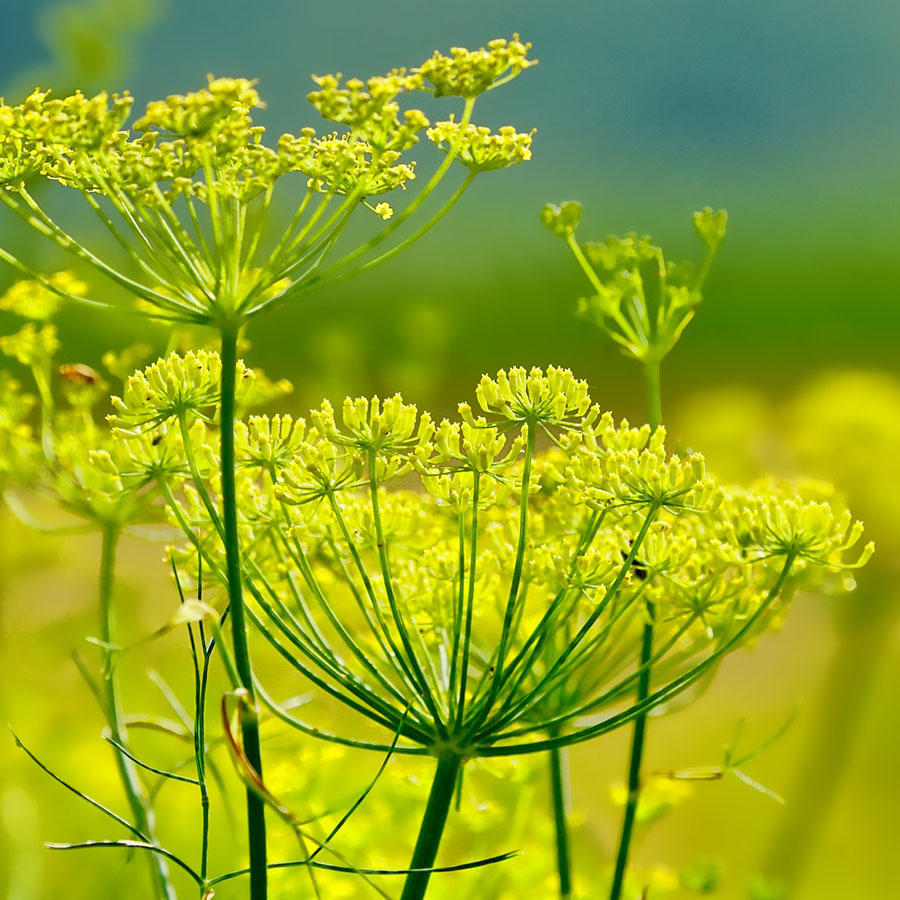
(634, 767)
(654, 408)
(134, 790)
(424, 229)
(41, 375)
(256, 822)
(654, 396)
(559, 784)
(439, 801)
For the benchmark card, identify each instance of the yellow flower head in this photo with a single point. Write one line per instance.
(468, 73)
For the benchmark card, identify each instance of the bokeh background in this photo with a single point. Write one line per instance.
(784, 113)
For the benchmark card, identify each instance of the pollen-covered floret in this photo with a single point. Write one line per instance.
(269, 442)
(377, 426)
(782, 525)
(344, 164)
(468, 73)
(644, 479)
(195, 115)
(476, 445)
(550, 398)
(67, 123)
(478, 148)
(369, 108)
(138, 459)
(172, 387)
(21, 156)
(318, 470)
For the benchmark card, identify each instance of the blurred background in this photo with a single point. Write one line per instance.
(786, 115)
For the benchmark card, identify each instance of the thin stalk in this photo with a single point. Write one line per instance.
(654, 395)
(634, 768)
(432, 829)
(495, 674)
(559, 786)
(200, 752)
(470, 601)
(256, 821)
(621, 321)
(654, 407)
(420, 198)
(672, 689)
(134, 790)
(418, 672)
(509, 713)
(201, 676)
(424, 229)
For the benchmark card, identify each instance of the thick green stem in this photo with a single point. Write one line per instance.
(131, 783)
(654, 396)
(256, 821)
(432, 828)
(634, 767)
(559, 785)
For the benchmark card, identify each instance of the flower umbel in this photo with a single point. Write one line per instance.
(188, 191)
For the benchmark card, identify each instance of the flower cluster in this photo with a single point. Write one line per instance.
(467, 586)
(479, 149)
(370, 108)
(175, 189)
(468, 73)
(175, 386)
(223, 102)
(57, 125)
(641, 300)
(520, 397)
(341, 164)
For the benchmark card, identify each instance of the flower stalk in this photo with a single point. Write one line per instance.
(639, 734)
(134, 791)
(559, 788)
(256, 820)
(431, 830)
(636, 755)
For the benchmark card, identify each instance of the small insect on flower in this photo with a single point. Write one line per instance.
(78, 373)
